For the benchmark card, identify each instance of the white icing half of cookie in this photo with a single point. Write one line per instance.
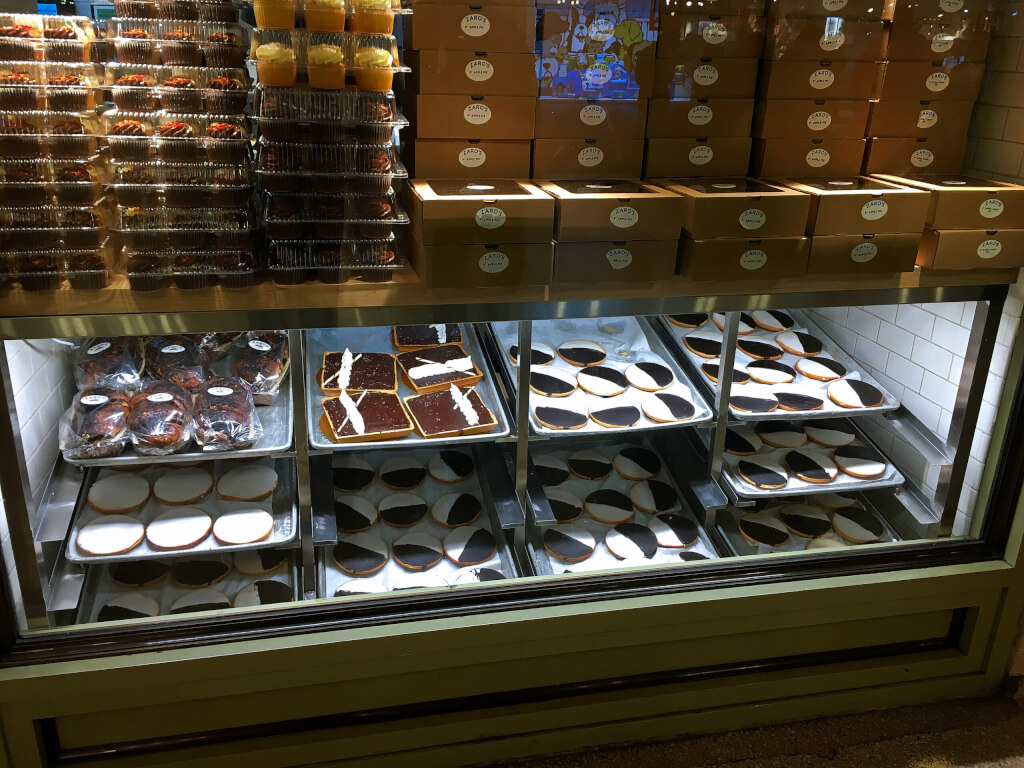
(743, 326)
(658, 409)
(798, 343)
(360, 507)
(863, 463)
(178, 528)
(640, 378)
(828, 437)
(420, 580)
(248, 483)
(121, 492)
(772, 321)
(204, 598)
(470, 545)
(817, 368)
(843, 393)
(597, 385)
(636, 464)
(243, 526)
(550, 462)
(834, 501)
(263, 592)
(443, 466)
(110, 535)
(825, 543)
(360, 587)
(629, 542)
(183, 486)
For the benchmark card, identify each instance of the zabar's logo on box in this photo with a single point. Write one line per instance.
(472, 157)
(479, 70)
(705, 74)
(819, 120)
(476, 114)
(490, 217)
(475, 24)
(624, 217)
(593, 114)
(821, 79)
(493, 262)
(588, 157)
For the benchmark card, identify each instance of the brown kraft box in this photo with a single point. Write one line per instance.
(683, 36)
(807, 119)
(721, 7)
(472, 73)
(967, 202)
(932, 155)
(669, 119)
(473, 117)
(949, 10)
(587, 158)
(911, 119)
(861, 206)
(848, 9)
(471, 159)
(590, 119)
(821, 79)
(472, 27)
(863, 254)
(971, 249)
(707, 78)
(629, 261)
(930, 40)
(697, 157)
(739, 207)
(501, 265)
(602, 209)
(780, 158)
(770, 258)
(945, 80)
(445, 211)
(836, 39)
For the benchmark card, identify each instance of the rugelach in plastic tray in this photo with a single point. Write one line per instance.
(182, 185)
(174, 138)
(147, 88)
(48, 227)
(313, 115)
(33, 85)
(334, 168)
(189, 10)
(330, 261)
(84, 269)
(41, 133)
(189, 270)
(31, 37)
(41, 182)
(178, 42)
(155, 229)
(293, 216)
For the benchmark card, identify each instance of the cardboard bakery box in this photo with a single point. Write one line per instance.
(564, 74)
(707, 78)
(810, 118)
(781, 158)
(944, 10)
(671, 119)
(710, 7)
(478, 26)
(471, 159)
(770, 258)
(697, 157)
(948, 79)
(967, 202)
(858, 205)
(473, 73)
(501, 265)
(971, 249)
(473, 117)
(590, 119)
(847, 9)
(863, 254)
(900, 155)
(911, 119)
(587, 158)
(622, 261)
(604, 209)
(457, 211)
(834, 38)
(683, 36)
(739, 207)
(928, 40)
(821, 79)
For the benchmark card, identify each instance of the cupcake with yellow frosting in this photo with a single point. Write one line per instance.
(373, 69)
(325, 66)
(325, 15)
(275, 14)
(373, 17)
(275, 64)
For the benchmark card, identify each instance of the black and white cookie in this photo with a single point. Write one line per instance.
(857, 525)
(811, 466)
(673, 531)
(607, 505)
(564, 506)
(649, 376)
(264, 592)
(631, 540)
(540, 353)
(420, 580)
(361, 554)
(360, 587)
(455, 509)
(758, 528)
(195, 573)
(828, 543)
(688, 557)
(688, 320)
(742, 441)
(130, 606)
(590, 464)
(799, 344)
(205, 599)
(759, 349)
(762, 472)
(470, 545)
(790, 400)
(781, 434)
(552, 382)
(403, 473)
(860, 461)
(635, 463)
(602, 381)
(745, 325)
(713, 370)
(581, 352)
(550, 469)
(448, 466)
(667, 407)
(772, 320)
(753, 398)
(654, 496)
(417, 551)
(770, 372)
(139, 573)
(478, 575)
(569, 543)
(352, 473)
(830, 433)
(820, 368)
(854, 393)
(617, 417)
(555, 417)
(834, 501)
(259, 562)
(402, 510)
(805, 520)
(353, 513)
(704, 343)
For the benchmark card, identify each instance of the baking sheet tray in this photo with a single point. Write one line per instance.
(282, 505)
(626, 340)
(800, 384)
(603, 559)
(378, 339)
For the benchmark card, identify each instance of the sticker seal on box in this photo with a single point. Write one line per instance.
(818, 157)
(713, 32)
(475, 24)
(755, 258)
(821, 79)
(702, 154)
(477, 114)
(472, 157)
(493, 262)
(832, 42)
(873, 210)
(991, 208)
(937, 81)
(593, 114)
(926, 118)
(942, 42)
(705, 74)
(590, 156)
(753, 218)
(863, 252)
(990, 249)
(833, 5)
(619, 258)
(922, 158)
(490, 217)
(624, 216)
(702, 114)
(951, 6)
(479, 70)
(819, 121)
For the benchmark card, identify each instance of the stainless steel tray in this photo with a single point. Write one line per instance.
(282, 505)
(626, 340)
(378, 339)
(801, 383)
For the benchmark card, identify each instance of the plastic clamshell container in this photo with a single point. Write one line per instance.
(40, 133)
(42, 271)
(189, 270)
(302, 114)
(176, 138)
(31, 85)
(178, 42)
(333, 168)
(292, 216)
(329, 261)
(191, 10)
(37, 181)
(301, 40)
(31, 37)
(148, 88)
(47, 227)
(202, 185)
(151, 229)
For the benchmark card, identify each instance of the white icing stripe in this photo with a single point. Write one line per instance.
(428, 370)
(442, 332)
(352, 413)
(463, 404)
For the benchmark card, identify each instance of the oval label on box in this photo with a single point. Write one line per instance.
(833, 5)
(160, 397)
(989, 249)
(832, 42)
(821, 79)
(701, 114)
(475, 24)
(701, 155)
(95, 349)
(818, 157)
(490, 217)
(753, 218)
(624, 217)
(477, 114)
(705, 74)
(172, 349)
(755, 258)
(594, 76)
(819, 121)
(991, 208)
(863, 252)
(937, 81)
(220, 391)
(479, 70)
(921, 158)
(472, 157)
(714, 32)
(493, 262)
(259, 346)
(619, 258)
(93, 399)
(873, 210)
(951, 6)
(590, 156)
(593, 114)
(926, 118)
(942, 42)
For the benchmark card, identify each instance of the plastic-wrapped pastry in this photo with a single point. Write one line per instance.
(109, 362)
(96, 424)
(260, 359)
(160, 419)
(226, 415)
(215, 345)
(177, 359)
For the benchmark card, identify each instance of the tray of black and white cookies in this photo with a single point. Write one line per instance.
(595, 375)
(411, 518)
(784, 366)
(616, 507)
(781, 458)
(165, 511)
(137, 589)
(416, 384)
(821, 521)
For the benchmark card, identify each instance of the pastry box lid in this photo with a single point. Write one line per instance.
(943, 182)
(726, 186)
(847, 185)
(477, 190)
(598, 189)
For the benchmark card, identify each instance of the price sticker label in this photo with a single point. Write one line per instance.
(921, 158)
(937, 81)
(818, 158)
(701, 114)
